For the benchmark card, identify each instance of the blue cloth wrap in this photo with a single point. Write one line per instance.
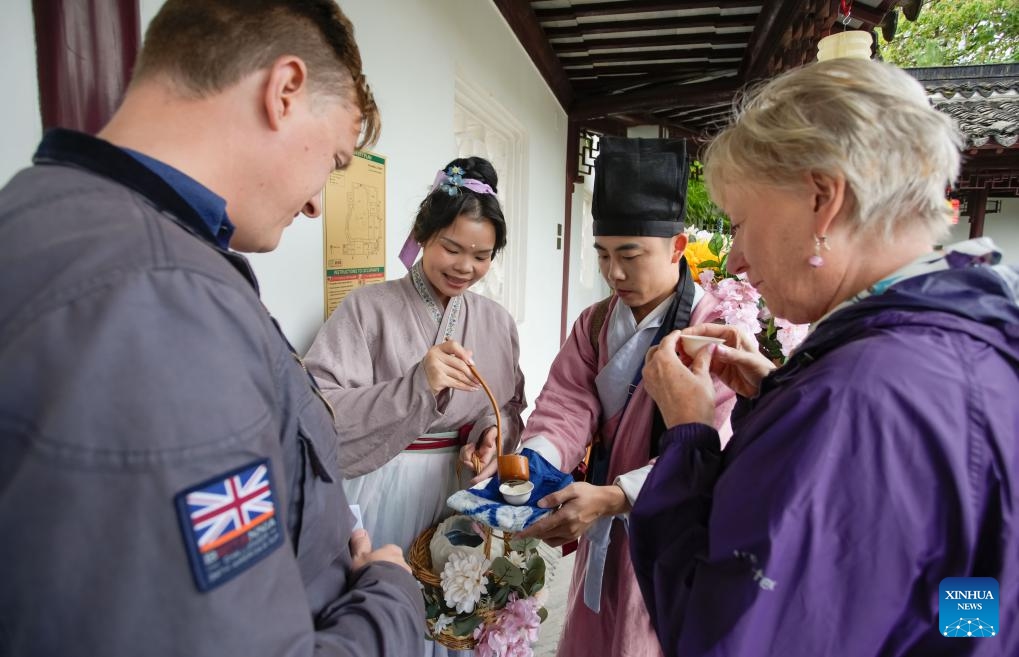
(484, 502)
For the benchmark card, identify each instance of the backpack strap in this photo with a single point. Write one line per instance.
(598, 316)
(601, 310)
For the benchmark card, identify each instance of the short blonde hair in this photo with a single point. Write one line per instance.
(867, 120)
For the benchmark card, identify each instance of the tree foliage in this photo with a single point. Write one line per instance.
(701, 212)
(955, 33)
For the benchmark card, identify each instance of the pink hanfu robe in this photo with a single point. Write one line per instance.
(367, 361)
(567, 414)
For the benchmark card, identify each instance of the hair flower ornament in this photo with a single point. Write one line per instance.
(452, 181)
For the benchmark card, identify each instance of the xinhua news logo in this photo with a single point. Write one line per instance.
(968, 607)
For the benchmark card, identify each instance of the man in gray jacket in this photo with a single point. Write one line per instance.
(169, 480)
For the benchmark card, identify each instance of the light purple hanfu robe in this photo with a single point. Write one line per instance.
(367, 361)
(582, 389)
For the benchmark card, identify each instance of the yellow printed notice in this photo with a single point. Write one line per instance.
(354, 228)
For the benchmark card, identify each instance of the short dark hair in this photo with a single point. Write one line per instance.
(205, 46)
(440, 210)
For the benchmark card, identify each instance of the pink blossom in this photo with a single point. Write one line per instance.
(706, 277)
(738, 305)
(790, 335)
(512, 632)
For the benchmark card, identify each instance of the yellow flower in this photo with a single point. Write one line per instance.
(696, 253)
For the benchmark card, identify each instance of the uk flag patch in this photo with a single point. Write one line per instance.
(229, 523)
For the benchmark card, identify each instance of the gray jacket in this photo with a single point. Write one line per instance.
(140, 378)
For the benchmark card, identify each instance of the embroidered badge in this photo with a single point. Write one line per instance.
(229, 523)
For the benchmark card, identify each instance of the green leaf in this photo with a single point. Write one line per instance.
(534, 575)
(708, 264)
(466, 626)
(501, 597)
(434, 602)
(716, 244)
(954, 33)
(701, 212)
(524, 545)
(542, 614)
(504, 572)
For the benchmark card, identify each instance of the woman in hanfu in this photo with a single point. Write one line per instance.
(392, 361)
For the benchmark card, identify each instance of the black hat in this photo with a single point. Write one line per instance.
(640, 187)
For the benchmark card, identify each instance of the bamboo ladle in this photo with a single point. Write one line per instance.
(512, 468)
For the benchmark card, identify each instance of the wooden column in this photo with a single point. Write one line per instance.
(977, 209)
(85, 50)
(572, 159)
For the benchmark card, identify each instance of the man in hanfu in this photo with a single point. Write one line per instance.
(594, 398)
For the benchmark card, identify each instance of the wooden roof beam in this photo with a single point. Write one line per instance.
(694, 113)
(698, 116)
(606, 126)
(772, 24)
(675, 67)
(716, 91)
(663, 41)
(630, 7)
(653, 55)
(617, 83)
(645, 25)
(521, 19)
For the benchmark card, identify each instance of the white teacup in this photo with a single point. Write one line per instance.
(516, 492)
(694, 343)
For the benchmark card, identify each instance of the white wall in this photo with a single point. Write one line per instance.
(20, 123)
(1002, 227)
(587, 286)
(412, 52)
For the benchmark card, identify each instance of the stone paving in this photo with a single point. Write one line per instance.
(551, 629)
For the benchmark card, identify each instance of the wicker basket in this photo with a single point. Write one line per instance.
(419, 557)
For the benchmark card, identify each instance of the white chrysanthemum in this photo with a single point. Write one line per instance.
(517, 559)
(463, 580)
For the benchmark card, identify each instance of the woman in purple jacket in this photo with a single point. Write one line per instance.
(882, 458)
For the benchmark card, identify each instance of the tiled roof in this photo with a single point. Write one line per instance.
(983, 100)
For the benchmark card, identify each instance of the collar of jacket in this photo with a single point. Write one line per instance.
(972, 299)
(69, 148)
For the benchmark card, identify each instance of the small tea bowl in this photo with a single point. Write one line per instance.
(516, 492)
(694, 343)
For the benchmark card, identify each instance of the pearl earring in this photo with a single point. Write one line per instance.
(816, 260)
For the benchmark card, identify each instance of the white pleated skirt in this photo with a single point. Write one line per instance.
(406, 496)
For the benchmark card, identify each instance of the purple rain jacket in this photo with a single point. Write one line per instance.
(881, 459)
